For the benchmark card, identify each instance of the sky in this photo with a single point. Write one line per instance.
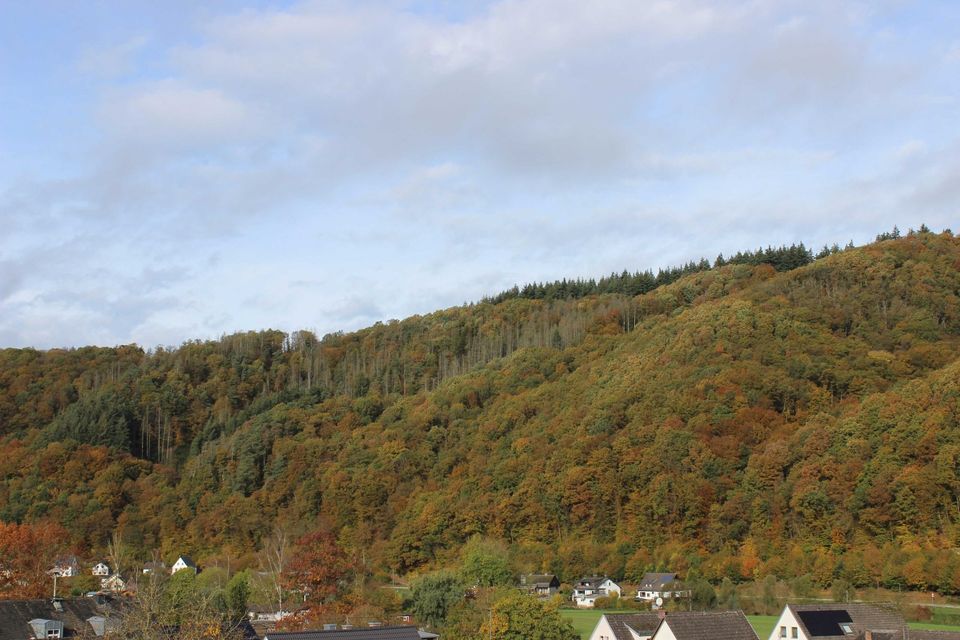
(175, 170)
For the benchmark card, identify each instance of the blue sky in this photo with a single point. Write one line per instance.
(171, 171)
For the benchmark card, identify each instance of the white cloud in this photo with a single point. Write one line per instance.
(399, 161)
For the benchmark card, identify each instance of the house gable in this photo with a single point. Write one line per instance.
(625, 626)
(705, 625)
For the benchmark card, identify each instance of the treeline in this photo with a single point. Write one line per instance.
(633, 284)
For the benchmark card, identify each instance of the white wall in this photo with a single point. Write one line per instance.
(602, 631)
(787, 620)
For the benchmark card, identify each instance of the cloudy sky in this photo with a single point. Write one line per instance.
(170, 171)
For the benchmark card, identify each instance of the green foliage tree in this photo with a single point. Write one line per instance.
(520, 617)
(485, 563)
(237, 593)
(702, 594)
(433, 596)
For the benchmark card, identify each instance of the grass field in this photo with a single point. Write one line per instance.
(584, 620)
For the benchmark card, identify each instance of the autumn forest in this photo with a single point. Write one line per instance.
(778, 412)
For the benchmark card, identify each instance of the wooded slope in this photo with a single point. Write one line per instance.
(735, 422)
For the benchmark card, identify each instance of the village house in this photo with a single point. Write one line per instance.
(626, 626)
(65, 567)
(839, 622)
(588, 589)
(681, 625)
(537, 584)
(183, 563)
(101, 569)
(704, 625)
(849, 621)
(114, 583)
(665, 586)
(154, 567)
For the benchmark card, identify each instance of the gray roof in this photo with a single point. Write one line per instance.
(15, 615)
(816, 621)
(538, 579)
(643, 623)
(360, 633)
(592, 580)
(710, 625)
(656, 581)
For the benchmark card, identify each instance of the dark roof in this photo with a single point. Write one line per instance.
(592, 579)
(187, 561)
(15, 615)
(823, 621)
(643, 623)
(656, 581)
(360, 633)
(710, 625)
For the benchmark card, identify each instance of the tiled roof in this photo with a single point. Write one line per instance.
(710, 625)
(862, 618)
(538, 578)
(656, 581)
(15, 615)
(365, 633)
(643, 623)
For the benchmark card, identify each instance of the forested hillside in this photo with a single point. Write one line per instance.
(736, 421)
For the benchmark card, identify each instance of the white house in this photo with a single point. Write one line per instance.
(704, 625)
(183, 563)
(838, 621)
(65, 567)
(660, 585)
(626, 626)
(588, 589)
(101, 569)
(114, 583)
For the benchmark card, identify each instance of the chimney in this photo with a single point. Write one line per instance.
(662, 613)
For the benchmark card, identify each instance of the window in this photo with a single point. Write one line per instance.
(53, 633)
(846, 628)
(793, 632)
(783, 632)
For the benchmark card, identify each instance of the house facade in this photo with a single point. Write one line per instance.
(66, 567)
(665, 586)
(588, 589)
(839, 621)
(101, 569)
(542, 585)
(183, 563)
(114, 583)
